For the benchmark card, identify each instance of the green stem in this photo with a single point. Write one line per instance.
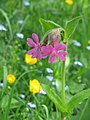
(63, 87)
(63, 117)
(63, 82)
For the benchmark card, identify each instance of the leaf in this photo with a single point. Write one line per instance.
(4, 101)
(8, 22)
(85, 111)
(40, 118)
(47, 112)
(71, 26)
(75, 87)
(77, 99)
(48, 25)
(4, 79)
(82, 112)
(54, 98)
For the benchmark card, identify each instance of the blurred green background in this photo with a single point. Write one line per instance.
(18, 20)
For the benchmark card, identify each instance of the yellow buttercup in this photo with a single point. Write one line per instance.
(29, 60)
(69, 2)
(11, 78)
(34, 86)
(89, 42)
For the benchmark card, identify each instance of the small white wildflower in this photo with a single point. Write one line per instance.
(50, 78)
(31, 105)
(20, 21)
(20, 35)
(42, 92)
(1, 84)
(88, 47)
(26, 3)
(2, 28)
(49, 70)
(78, 63)
(54, 83)
(22, 96)
(78, 44)
(66, 87)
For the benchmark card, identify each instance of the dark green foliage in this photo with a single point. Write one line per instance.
(12, 57)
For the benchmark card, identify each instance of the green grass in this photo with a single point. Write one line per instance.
(12, 55)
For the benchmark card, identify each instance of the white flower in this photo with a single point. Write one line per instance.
(31, 105)
(42, 92)
(49, 70)
(20, 21)
(3, 28)
(22, 96)
(66, 87)
(20, 35)
(26, 3)
(78, 44)
(88, 47)
(1, 84)
(50, 78)
(54, 83)
(78, 63)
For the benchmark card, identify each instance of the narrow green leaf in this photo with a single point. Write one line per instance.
(48, 25)
(47, 112)
(40, 118)
(84, 110)
(4, 79)
(71, 26)
(54, 97)
(25, 21)
(4, 102)
(77, 99)
(8, 23)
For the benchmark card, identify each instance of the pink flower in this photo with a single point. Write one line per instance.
(54, 51)
(36, 50)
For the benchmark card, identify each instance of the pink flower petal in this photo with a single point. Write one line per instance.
(39, 55)
(30, 42)
(31, 51)
(35, 37)
(62, 57)
(63, 53)
(34, 54)
(46, 50)
(60, 47)
(52, 58)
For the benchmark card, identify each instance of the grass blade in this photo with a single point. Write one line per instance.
(8, 22)
(77, 99)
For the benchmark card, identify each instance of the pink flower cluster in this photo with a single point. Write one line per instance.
(52, 50)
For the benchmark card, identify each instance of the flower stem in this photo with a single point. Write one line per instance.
(63, 89)
(63, 85)
(63, 117)
(63, 82)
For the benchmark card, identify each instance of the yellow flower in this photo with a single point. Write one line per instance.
(30, 60)
(88, 41)
(11, 78)
(34, 86)
(69, 2)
